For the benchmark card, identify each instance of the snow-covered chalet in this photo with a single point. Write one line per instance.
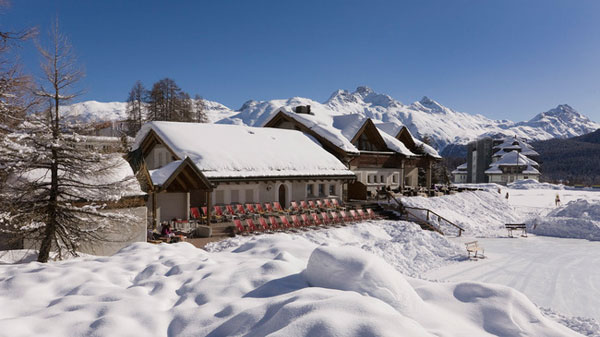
(380, 154)
(194, 165)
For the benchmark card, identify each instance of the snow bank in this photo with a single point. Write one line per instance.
(262, 287)
(352, 269)
(530, 184)
(479, 213)
(404, 245)
(577, 219)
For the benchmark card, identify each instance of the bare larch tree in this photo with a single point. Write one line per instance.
(57, 188)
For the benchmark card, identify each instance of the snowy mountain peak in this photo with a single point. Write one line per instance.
(426, 104)
(563, 110)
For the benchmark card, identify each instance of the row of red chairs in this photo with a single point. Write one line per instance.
(253, 209)
(303, 220)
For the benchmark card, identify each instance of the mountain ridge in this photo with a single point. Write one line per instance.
(425, 117)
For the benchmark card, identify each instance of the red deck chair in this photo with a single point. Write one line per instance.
(260, 209)
(250, 224)
(269, 207)
(328, 204)
(320, 204)
(296, 221)
(336, 218)
(274, 223)
(263, 223)
(294, 206)
(354, 215)
(305, 219)
(284, 222)
(345, 216)
(362, 214)
(372, 214)
(238, 226)
(326, 219)
(277, 207)
(214, 215)
(304, 205)
(195, 213)
(250, 208)
(229, 210)
(312, 205)
(240, 209)
(335, 203)
(316, 219)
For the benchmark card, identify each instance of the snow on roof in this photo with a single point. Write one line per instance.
(160, 175)
(228, 151)
(322, 124)
(514, 158)
(460, 169)
(340, 130)
(114, 169)
(393, 129)
(510, 143)
(395, 144)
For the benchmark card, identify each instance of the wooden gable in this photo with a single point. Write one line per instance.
(368, 138)
(151, 140)
(405, 137)
(185, 178)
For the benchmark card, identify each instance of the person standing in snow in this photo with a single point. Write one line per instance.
(506, 196)
(557, 200)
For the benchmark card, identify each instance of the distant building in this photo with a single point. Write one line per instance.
(501, 160)
(459, 175)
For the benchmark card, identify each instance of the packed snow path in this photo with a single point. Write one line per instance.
(562, 274)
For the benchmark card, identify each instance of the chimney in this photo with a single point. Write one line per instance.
(303, 109)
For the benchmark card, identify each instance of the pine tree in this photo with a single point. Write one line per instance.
(136, 108)
(57, 189)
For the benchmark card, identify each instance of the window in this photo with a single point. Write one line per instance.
(249, 196)
(381, 179)
(331, 189)
(395, 178)
(309, 189)
(369, 179)
(219, 197)
(235, 196)
(321, 190)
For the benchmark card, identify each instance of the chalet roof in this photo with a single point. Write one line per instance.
(180, 176)
(341, 129)
(514, 158)
(323, 124)
(222, 151)
(511, 143)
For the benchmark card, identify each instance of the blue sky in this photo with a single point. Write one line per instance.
(503, 59)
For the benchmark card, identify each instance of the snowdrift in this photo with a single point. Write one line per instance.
(578, 219)
(531, 184)
(480, 213)
(281, 285)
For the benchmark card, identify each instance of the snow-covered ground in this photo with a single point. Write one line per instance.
(280, 284)
(562, 274)
(365, 279)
